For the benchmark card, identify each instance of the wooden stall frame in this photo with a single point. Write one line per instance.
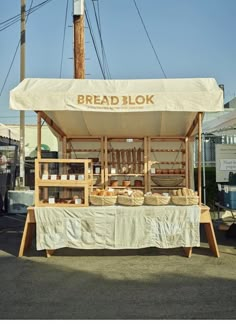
(205, 212)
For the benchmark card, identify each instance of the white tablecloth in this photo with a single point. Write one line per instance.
(117, 227)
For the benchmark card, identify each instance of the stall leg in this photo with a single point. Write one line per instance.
(28, 233)
(188, 251)
(210, 234)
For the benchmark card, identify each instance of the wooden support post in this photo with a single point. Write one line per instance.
(106, 161)
(200, 158)
(39, 135)
(187, 173)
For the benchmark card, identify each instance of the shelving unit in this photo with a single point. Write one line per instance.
(126, 160)
(167, 163)
(69, 186)
(91, 147)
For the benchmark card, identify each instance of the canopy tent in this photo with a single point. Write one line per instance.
(119, 107)
(223, 124)
(9, 133)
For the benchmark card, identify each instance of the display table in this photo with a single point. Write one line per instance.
(118, 227)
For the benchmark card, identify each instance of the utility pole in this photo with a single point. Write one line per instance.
(79, 52)
(22, 113)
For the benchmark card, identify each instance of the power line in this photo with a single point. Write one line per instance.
(11, 21)
(28, 12)
(14, 56)
(149, 38)
(98, 21)
(64, 34)
(94, 42)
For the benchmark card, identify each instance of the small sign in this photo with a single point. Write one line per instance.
(153, 170)
(45, 176)
(64, 177)
(51, 200)
(53, 177)
(72, 176)
(113, 170)
(227, 164)
(78, 201)
(81, 177)
(97, 170)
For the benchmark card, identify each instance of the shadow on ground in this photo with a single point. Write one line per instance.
(131, 284)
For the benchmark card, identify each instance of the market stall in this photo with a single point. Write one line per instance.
(130, 135)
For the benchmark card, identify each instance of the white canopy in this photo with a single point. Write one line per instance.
(223, 124)
(9, 132)
(119, 107)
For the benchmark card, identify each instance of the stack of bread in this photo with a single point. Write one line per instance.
(156, 199)
(102, 197)
(103, 192)
(129, 197)
(184, 196)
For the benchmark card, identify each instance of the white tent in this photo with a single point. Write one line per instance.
(9, 132)
(223, 124)
(119, 107)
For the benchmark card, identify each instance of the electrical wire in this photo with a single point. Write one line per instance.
(28, 12)
(14, 56)
(11, 21)
(146, 31)
(64, 34)
(98, 21)
(94, 42)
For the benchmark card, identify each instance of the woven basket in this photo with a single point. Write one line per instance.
(156, 200)
(102, 200)
(130, 201)
(185, 200)
(167, 181)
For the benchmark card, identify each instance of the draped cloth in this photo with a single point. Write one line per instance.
(117, 227)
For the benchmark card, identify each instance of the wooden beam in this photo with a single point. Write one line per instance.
(193, 126)
(51, 123)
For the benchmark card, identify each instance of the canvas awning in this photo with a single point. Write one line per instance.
(119, 107)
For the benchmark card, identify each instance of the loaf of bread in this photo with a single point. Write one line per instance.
(184, 192)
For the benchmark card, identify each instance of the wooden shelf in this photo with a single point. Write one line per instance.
(167, 151)
(159, 187)
(126, 174)
(123, 187)
(63, 183)
(174, 175)
(62, 189)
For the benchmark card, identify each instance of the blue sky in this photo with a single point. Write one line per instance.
(193, 38)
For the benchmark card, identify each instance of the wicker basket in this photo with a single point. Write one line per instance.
(167, 181)
(185, 200)
(130, 201)
(102, 200)
(156, 200)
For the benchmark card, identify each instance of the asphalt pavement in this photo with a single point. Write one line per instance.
(128, 284)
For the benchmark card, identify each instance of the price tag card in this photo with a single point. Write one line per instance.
(64, 177)
(113, 170)
(45, 176)
(78, 201)
(81, 177)
(97, 170)
(51, 200)
(72, 177)
(53, 177)
(153, 170)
